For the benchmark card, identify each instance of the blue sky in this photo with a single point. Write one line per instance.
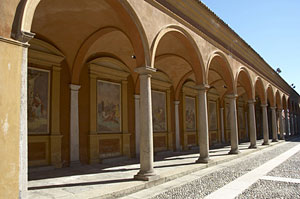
(270, 27)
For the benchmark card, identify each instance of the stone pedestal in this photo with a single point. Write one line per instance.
(252, 124)
(265, 124)
(274, 125)
(74, 125)
(146, 172)
(203, 125)
(177, 129)
(233, 126)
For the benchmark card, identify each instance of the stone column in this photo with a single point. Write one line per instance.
(298, 123)
(146, 172)
(295, 123)
(246, 125)
(287, 122)
(274, 125)
(74, 124)
(233, 126)
(222, 124)
(203, 124)
(281, 129)
(177, 130)
(292, 123)
(265, 124)
(252, 123)
(137, 124)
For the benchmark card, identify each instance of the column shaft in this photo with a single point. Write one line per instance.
(233, 126)
(74, 124)
(137, 124)
(274, 125)
(146, 129)
(281, 125)
(292, 123)
(222, 124)
(265, 124)
(252, 124)
(203, 125)
(295, 124)
(177, 130)
(287, 123)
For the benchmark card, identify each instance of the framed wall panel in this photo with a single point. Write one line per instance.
(190, 114)
(241, 118)
(38, 101)
(159, 111)
(109, 106)
(212, 120)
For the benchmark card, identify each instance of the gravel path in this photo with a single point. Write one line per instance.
(264, 189)
(289, 169)
(209, 183)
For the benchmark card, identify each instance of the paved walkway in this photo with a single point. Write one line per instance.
(111, 180)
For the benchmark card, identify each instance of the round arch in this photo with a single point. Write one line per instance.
(245, 80)
(259, 89)
(278, 100)
(80, 58)
(181, 83)
(27, 8)
(284, 102)
(198, 68)
(270, 95)
(224, 66)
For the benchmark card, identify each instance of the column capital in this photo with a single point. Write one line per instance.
(75, 87)
(251, 101)
(273, 108)
(176, 102)
(203, 87)
(137, 97)
(264, 105)
(147, 70)
(232, 96)
(56, 68)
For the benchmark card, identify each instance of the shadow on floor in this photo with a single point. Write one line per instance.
(124, 165)
(80, 184)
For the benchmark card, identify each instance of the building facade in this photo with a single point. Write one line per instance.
(82, 81)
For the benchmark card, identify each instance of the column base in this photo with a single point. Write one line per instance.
(75, 163)
(252, 146)
(234, 151)
(203, 160)
(281, 138)
(146, 176)
(266, 143)
(274, 140)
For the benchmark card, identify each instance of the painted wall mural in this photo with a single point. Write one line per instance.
(213, 121)
(38, 101)
(190, 115)
(159, 112)
(108, 107)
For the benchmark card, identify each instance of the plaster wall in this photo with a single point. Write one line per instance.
(10, 104)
